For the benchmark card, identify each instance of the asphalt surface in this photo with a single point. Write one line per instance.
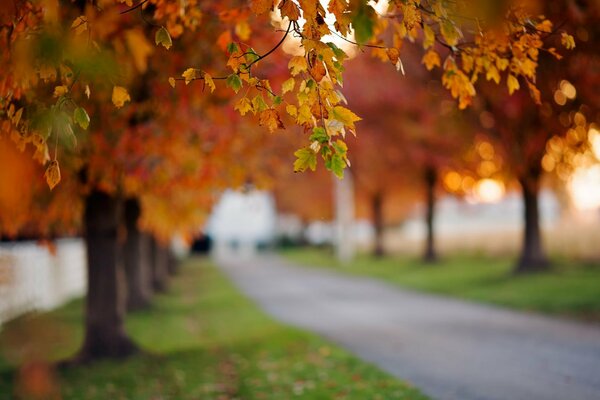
(449, 348)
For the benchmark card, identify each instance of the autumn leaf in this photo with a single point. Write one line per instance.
(270, 118)
(80, 25)
(120, 96)
(431, 59)
(172, 82)
(81, 117)
(288, 86)
(567, 40)
(209, 81)
(243, 105)
(290, 10)
(139, 47)
(52, 174)
(345, 116)
(305, 158)
(162, 37)
(189, 75)
(513, 83)
(233, 81)
(297, 65)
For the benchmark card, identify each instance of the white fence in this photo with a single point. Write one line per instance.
(31, 278)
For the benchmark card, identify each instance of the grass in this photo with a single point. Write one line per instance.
(569, 289)
(203, 340)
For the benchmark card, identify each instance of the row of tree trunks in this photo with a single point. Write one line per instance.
(532, 258)
(123, 273)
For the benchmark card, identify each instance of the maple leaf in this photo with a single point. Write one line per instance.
(297, 65)
(305, 158)
(345, 116)
(431, 59)
(243, 105)
(52, 174)
(120, 96)
(270, 118)
(290, 10)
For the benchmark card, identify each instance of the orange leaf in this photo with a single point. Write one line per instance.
(52, 174)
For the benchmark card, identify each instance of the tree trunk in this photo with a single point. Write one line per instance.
(533, 258)
(172, 262)
(136, 260)
(105, 304)
(430, 255)
(160, 266)
(377, 208)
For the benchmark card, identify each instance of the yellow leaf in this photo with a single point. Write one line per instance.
(431, 59)
(243, 31)
(393, 54)
(513, 83)
(288, 86)
(492, 74)
(270, 118)
(428, 36)
(17, 117)
(209, 81)
(60, 91)
(189, 75)
(243, 105)
(120, 96)
(139, 47)
(172, 82)
(297, 64)
(345, 116)
(87, 91)
(52, 174)
(291, 110)
(567, 40)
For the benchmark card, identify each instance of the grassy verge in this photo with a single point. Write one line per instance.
(568, 289)
(204, 341)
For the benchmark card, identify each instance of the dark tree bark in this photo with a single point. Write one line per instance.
(136, 259)
(430, 176)
(105, 335)
(172, 262)
(533, 257)
(160, 266)
(377, 208)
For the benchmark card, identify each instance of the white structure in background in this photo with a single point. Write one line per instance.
(32, 279)
(344, 217)
(243, 221)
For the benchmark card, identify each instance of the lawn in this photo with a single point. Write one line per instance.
(569, 289)
(202, 340)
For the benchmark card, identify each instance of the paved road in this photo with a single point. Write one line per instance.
(449, 348)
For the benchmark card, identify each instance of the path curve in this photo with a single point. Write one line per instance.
(449, 348)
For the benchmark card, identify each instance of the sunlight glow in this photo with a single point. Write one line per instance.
(488, 191)
(584, 188)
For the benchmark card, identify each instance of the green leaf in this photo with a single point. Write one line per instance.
(258, 103)
(320, 135)
(336, 165)
(162, 37)
(81, 117)
(233, 81)
(277, 100)
(305, 158)
(363, 24)
(232, 48)
(63, 128)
